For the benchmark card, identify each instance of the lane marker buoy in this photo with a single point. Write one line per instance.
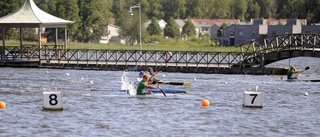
(205, 103)
(2, 104)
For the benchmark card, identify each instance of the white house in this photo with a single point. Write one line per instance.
(112, 35)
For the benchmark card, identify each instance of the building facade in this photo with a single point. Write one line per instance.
(241, 33)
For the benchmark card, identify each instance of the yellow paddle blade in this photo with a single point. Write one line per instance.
(186, 84)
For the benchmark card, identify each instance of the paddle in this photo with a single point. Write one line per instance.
(175, 83)
(303, 70)
(152, 73)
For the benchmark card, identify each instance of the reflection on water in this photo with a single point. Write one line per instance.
(287, 110)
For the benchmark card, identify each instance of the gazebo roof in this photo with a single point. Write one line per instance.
(29, 15)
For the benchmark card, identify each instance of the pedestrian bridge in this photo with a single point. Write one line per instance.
(252, 59)
(272, 49)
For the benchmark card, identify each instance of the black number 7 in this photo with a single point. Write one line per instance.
(255, 95)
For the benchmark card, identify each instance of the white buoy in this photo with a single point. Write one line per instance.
(67, 74)
(306, 94)
(47, 71)
(252, 98)
(194, 79)
(52, 101)
(82, 78)
(163, 75)
(91, 82)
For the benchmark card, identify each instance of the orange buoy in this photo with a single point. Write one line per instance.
(2, 104)
(205, 103)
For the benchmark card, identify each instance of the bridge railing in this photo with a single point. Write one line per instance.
(122, 57)
(253, 51)
(145, 58)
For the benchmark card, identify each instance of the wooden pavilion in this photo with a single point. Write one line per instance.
(30, 16)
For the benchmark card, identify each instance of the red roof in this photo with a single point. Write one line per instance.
(215, 21)
(112, 20)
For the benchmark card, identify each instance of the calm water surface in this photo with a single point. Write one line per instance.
(286, 110)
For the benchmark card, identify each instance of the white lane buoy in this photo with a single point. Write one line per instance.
(91, 82)
(67, 74)
(52, 101)
(306, 94)
(194, 79)
(225, 82)
(47, 71)
(82, 78)
(163, 75)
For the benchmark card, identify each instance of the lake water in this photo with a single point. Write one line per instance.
(287, 111)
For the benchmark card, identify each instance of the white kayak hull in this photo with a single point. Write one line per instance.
(169, 96)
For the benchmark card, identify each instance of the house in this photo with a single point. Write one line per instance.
(241, 33)
(212, 26)
(161, 23)
(112, 35)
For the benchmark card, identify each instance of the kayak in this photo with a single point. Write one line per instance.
(166, 90)
(173, 83)
(303, 80)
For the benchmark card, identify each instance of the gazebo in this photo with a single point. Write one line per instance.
(30, 16)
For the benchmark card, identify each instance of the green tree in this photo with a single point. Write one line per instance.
(239, 9)
(94, 19)
(7, 7)
(188, 30)
(117, 7)
(173, 8)
(154, 28)
(221, 29)
(171, 29)
(194, 10)
(222, 9)
(253, 10)
(312, 10)
(155, 9)
(69, 10)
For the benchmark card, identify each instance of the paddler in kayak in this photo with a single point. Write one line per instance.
(293, 73)
(143, 85)
(138, 79)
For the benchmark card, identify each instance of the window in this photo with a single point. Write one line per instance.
(205, 29)
(253, 33)
(240, 33)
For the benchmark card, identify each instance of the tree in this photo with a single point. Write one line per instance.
(154, 28)
(94, 19)
(253, 10)
(69, 10)
(171, 29)
(173, 8)
(188, 30)
(221, 29)
(194, 9)
(117, 7)
(240, 8)
(222, 9)
(6, 8)
(155, 9)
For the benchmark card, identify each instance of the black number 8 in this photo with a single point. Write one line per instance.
(53, 99)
